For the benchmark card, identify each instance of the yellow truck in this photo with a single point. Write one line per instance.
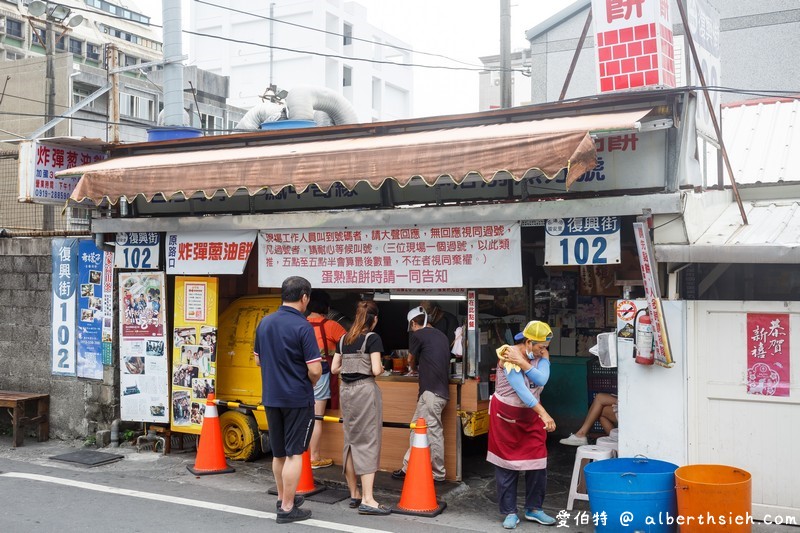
(244, 431)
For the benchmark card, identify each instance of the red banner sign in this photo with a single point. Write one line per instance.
(768, 354)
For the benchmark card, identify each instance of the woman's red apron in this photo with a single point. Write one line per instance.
(517, 437)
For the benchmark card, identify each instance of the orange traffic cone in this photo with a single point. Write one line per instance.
(419, 495)
(210, 454)
(306, 486)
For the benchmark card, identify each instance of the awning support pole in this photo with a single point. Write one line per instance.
(711, 112)
(576, 55)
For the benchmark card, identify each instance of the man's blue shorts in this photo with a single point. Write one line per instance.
(289, 429)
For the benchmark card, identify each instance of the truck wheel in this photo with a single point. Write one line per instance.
(239, 436)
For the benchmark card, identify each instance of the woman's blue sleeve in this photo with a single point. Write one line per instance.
(540, 375)
(517, 383)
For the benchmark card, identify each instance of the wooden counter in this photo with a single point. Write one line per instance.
(399, 402)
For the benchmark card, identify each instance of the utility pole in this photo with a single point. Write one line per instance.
(48, 211)
(113, 97)
(271, 34)
(505, 54)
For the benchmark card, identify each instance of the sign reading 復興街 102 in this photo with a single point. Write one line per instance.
(440, 256)
(582, 241)
(137, 250)
(38, 163)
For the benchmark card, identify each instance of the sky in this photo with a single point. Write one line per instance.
(462, 29)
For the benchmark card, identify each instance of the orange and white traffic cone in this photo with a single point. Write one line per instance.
(419, 495)
(306, 486)
(210, 453)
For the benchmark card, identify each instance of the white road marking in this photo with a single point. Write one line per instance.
(184, 501)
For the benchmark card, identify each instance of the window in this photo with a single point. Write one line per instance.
(130, 60)
(39, 36)
(118, 11)
(93, 51)
(211, 124)
(347, 34)
(14, 56)
(130, 37)
(60, 43)
(82, 93)
(76, 46)
(131, 105)
(14, 28)
(347, 77)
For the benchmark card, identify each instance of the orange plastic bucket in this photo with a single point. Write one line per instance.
(713, 498)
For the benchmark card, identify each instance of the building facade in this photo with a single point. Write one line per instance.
(726, 269)
(314, 43)
(750, 35)
(109, 34)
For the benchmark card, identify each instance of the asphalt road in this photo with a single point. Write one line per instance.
(148, 491)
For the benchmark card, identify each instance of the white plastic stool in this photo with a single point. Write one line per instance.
(610, 443)
(583, 456)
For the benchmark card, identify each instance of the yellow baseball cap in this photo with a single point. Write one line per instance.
(537, 331)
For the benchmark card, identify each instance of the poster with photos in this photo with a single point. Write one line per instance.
(591, 312)
(194, 351)
(144, 381)
(93, 310)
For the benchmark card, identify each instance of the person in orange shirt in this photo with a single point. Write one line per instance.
(328, 333)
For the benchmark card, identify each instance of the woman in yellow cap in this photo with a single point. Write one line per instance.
(518, 424)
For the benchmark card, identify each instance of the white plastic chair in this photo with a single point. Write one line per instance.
(583, 456)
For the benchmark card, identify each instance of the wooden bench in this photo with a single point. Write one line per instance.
(18, 404)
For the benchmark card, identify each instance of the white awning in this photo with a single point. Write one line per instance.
(772, 236)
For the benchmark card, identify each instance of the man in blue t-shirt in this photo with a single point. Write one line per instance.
(286, 350)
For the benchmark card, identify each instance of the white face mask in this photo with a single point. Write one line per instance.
(529, 354)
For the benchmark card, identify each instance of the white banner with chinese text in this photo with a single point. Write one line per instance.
(38, 163)
(399, 257)
(209, 252)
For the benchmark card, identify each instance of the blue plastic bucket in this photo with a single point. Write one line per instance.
(172, 132)
(287, 124)
(633, 494)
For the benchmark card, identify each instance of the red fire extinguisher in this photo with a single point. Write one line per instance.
(643, 338)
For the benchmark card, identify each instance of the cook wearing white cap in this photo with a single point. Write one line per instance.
(429, 351)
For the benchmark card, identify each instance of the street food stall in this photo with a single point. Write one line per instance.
(499, 217)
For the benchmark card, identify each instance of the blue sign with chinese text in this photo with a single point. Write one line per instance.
(65, 280)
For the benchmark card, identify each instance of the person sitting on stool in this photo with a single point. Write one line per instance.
(604, 409)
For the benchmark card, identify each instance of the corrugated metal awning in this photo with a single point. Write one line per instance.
(762, 138)
(772, 236)
(547, 145)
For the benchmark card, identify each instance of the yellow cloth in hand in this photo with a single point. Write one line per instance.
(508, 365)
